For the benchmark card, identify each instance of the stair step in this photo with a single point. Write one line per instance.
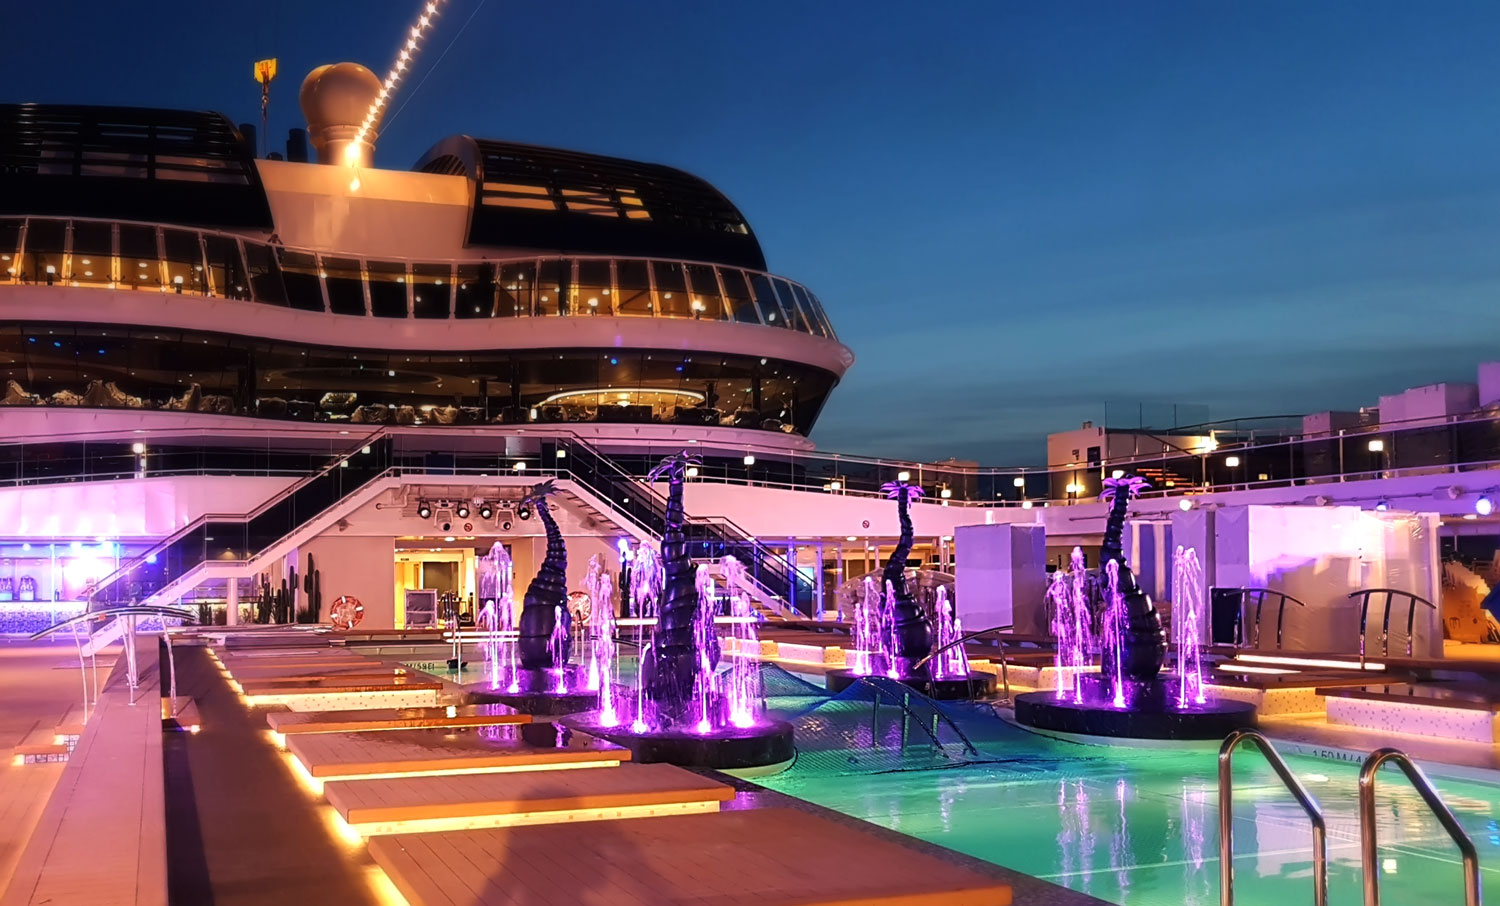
(40, 746)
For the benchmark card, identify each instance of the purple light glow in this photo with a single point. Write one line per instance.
(1072, 626)
(1187, 625)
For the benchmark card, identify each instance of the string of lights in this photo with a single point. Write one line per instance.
(404, 60)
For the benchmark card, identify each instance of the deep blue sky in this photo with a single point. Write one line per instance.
(1013, 211)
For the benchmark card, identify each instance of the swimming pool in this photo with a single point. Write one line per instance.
(1139, 826)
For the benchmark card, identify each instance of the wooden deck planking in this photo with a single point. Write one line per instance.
(322, 670)
(764, 857)
(328, 755)
(345, 681)
(290, 723)
(469, 795)
(101, 838)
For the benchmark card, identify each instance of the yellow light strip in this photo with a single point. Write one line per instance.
(404, 58)
(517, 819)
(1308, 662)
(1246, 668)
(453, 772)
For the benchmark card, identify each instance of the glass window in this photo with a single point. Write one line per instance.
(184, 257)
(432, 290)
(517, 290)
(765, 301)
(93, 253)
(633, 283)
(300, 271)
(387, 289)
(262, 271)
(554, 278)
(809, 314)
(474, 296)
(671, 289)
(822, 315)
(789, 305)
(707, 302)
(591, 295)
(10, 244)
(346, 288)
(44, 251)
(226, 272)
(737, 296)
(139, 264)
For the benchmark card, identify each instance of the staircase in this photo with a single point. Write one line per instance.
(240, 538)
(771, 582)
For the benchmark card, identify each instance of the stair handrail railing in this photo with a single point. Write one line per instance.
(1299, 792)
(1258, 596)
(141, 559)
(1368, 845)
(770, 561)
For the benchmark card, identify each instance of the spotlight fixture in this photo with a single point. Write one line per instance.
(1484, 506)
(523, 512)
(462, 510)
(486, 510)
(749, 460)
(424, 509)
(1382, 506)
(1185, 504)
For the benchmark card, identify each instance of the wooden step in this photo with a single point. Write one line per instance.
(466, 801)
(40, 746)
(289, 723)
(754, 857)
(513, 747)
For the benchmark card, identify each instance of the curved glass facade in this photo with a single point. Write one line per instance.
(188, 371)
(149, 258)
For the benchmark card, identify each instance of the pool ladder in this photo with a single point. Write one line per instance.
(1370, 870)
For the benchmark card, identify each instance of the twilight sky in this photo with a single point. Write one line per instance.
(1014, 211)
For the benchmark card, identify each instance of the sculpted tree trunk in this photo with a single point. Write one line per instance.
(1144, 642)
(912, 631)
(673, 660)
(547, 594)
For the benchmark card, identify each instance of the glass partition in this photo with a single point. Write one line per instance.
(184, 259)
(45, 244)
(707, 303)
(140, 258)
(633, 283)
(432, 290)
(342, 281)
(474, 293)
(671, 289)
(592, 293)
(387, 289)
(299, 271)
(261, 275)
(93, 254)
(515, 295)
(737, 295)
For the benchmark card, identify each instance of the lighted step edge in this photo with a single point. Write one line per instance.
(434, 804)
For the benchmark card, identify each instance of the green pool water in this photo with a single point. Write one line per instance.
(1140, 826)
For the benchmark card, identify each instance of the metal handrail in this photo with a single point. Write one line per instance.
(139, 610)
(1258, 596)
(880, 687)
(1385, 625)
(1440, 810)
(969, 636)
(1299, 792)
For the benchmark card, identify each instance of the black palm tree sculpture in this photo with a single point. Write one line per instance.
(546, 594)
(912, 631)
(673, 660)
(1143, 641)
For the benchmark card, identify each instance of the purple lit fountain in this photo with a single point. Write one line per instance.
(542, 681)
(896, 637)
(686, 706)
(1128, 696)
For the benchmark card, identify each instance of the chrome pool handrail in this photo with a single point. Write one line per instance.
(1004, 663)
(1367, 843)
(1385, 628)
(1299, 792)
